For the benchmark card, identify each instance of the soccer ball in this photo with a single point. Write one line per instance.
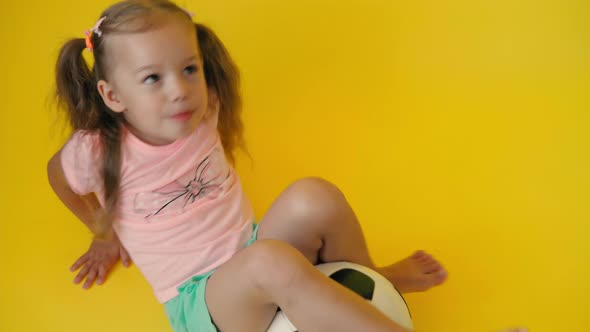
(367, 283)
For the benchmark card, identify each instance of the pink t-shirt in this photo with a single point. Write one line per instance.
(182, 210)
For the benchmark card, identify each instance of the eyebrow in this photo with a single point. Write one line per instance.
(142, 68)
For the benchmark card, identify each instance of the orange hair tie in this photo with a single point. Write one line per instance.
(89, 45)
(94, 30)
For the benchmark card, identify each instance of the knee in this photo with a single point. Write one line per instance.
(274, 264)
(312, 196)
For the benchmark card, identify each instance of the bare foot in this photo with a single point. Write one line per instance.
(416, 273)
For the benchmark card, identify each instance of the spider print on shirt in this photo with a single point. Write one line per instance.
(207, 181)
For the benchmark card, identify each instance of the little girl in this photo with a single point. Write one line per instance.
(149, 170)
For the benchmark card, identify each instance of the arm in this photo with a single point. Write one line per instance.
(86, 208)
(103, 252)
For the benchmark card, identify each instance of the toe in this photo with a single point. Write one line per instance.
(427, 257)
(418, 254)
(432, 267)
(439, 276)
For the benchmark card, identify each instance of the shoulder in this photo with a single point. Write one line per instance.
(85, 137)
(81, 160)
(83, 142)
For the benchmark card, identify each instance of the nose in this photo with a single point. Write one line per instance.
(179, 89)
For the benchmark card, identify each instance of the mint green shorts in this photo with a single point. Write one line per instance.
(187, 312)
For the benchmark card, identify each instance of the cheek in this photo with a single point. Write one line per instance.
(134, 120)
(201, 97)
(141, 119)
(147, 104)
(201, 86)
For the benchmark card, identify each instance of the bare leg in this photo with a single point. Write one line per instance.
(313, 216)
(243, 294)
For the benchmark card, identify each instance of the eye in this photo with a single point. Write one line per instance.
(191, 69)
(151, 79)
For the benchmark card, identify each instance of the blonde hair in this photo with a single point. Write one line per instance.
(77, 94)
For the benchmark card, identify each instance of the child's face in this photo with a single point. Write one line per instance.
(157, 81)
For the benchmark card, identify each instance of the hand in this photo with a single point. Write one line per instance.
(99, 259)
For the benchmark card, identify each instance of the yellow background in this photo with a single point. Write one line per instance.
(460, 127)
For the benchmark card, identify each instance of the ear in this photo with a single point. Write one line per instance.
(108, 95)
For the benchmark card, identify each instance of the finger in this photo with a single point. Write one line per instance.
(82, 274)
(91, 277)
(102, 273)
(83, 259)
(125, 257)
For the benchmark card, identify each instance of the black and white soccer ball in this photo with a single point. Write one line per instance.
(367, 283)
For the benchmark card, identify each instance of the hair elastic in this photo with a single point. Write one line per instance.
(95, 29)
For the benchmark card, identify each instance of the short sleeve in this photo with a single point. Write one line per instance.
(81, 160)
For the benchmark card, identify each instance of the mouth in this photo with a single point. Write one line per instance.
(183, 116)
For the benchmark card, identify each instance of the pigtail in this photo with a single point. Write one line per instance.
(110, 135)
(76, 93)
(222, 75)
(76, 86)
